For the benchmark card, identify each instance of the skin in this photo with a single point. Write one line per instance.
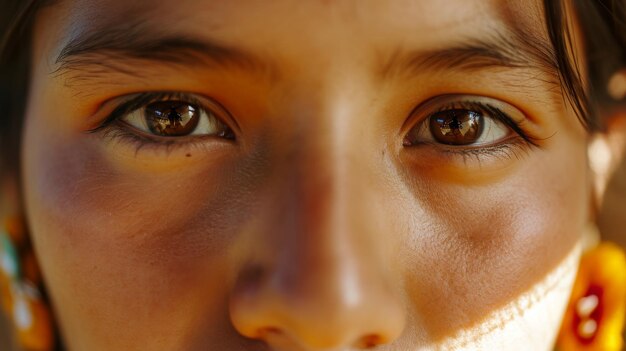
(316, 229)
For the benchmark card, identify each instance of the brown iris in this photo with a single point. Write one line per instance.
(172, 118)
(456, 126)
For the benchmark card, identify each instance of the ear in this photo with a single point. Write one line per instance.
(606, 152)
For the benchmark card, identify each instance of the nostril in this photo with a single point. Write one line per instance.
(370, 341)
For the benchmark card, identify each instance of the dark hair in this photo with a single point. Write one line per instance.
(14, 74)
(604, 40)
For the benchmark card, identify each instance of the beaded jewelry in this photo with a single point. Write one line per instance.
(594, 319)
(19, 287)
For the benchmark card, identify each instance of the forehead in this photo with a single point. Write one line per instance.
(290, 25)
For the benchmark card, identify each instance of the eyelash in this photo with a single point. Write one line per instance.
(112, 129)
(508, 148)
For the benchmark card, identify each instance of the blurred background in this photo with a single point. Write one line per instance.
(612, 220)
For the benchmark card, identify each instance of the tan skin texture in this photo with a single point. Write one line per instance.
(316, 228)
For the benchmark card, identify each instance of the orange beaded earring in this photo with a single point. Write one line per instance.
(19, 288)
(594, 319)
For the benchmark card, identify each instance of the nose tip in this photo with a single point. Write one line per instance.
(320, 310)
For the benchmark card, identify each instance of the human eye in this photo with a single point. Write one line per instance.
(166, 118)
(468, 125)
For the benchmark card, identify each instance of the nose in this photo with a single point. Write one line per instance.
(318, 274)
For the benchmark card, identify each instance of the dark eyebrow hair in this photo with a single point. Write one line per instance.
(497, 50)
(98, 53)
(105, 51)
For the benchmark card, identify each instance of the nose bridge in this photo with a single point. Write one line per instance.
(332, 161)
(325, 286)
(330, 192)
(324, 231)
(324, 170)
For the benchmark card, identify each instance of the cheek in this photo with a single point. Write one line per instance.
(116, 242)
(533, 317)
(478, 248)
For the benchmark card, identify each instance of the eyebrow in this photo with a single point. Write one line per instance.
(497, 50)
(99, 53)
(106, 51)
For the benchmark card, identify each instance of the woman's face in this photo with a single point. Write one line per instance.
(323, 175)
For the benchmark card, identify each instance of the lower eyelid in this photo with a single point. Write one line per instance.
(464, 158)
(119, 134)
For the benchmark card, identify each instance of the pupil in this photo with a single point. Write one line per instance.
(171, 118)
(456, 127)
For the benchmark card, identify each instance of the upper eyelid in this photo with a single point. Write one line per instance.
(144, 99)
(424, 110)
(140, 100)
(418, 120)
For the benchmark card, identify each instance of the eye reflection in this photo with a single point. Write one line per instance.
(171, 118)
(456, 127)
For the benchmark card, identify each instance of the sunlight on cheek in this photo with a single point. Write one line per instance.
(528, 323)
